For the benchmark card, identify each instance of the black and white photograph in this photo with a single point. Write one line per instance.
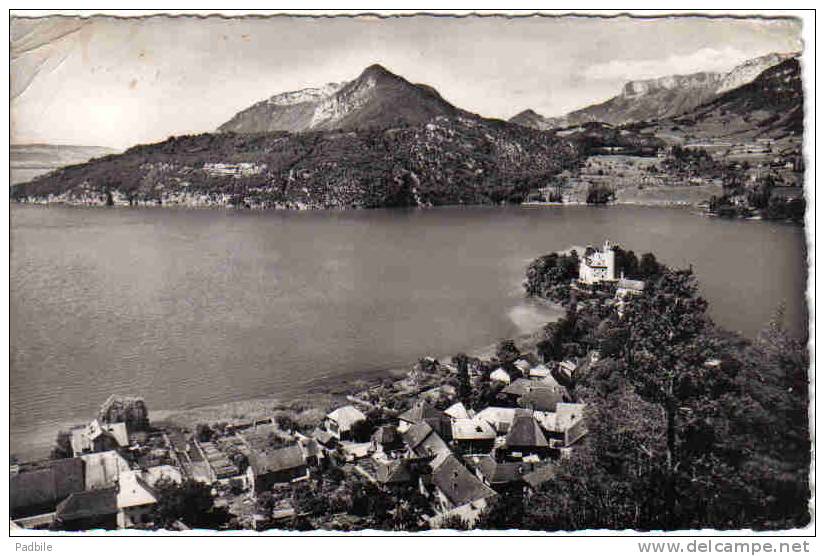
(410, 274)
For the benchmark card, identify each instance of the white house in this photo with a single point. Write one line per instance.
(598, 266)
(135, 499)
(500, 375)
(339, 423)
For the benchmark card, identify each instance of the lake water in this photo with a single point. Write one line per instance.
(195, 307)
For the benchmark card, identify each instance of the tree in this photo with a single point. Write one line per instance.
(461, 362)
(507, 353)
(666, 352)
(190, 502)
(63, 446)
(649, 267)
(204, 432)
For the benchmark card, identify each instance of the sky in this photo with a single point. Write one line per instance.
(122, 81)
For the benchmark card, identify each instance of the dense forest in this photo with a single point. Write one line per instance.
(690, 426)
(446, 161)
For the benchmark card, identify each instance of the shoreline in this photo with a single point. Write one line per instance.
(322, 393)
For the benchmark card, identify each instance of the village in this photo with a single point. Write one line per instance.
(441, 443)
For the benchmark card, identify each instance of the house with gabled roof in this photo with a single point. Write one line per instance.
(473, 436)
(525, 438)
(423, 441)
(98, 437)
(457, 411)
(386, 440)
(500, 375)
(282, 465)
(500, 476)
(523, 366)
(454, 485)
(424, 412)
(38, 491)
(339, 423)
(539, 372)
(135, 500)
(103, 469)
(541, 474)
(91, 509)
(501, 418)
(541, 399)
(568, 424)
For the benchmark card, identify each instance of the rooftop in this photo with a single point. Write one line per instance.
(274, 461)
(525, 432)
(346, 416)
(458, 484)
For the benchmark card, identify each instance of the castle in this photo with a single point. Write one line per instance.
(598, 266)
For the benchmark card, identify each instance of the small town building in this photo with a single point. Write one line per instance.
(423, 441)
(525, 438)
(424, 412)
(339, 423)
(567, 369)
(91, 509)
(38, 491)
(455, 486)
(457, 411)
(568, 424)
(135, 500)
(539, 372)
(500, 476)
(523, 366)
(500, 375)
(501, 418)
(103, 469)
(598, 266)
(386, 440)
(325, 438)
(312, 449)
(540, 475)
(541, 399)
(625, 287)
(473, 436)
(282, 465)
(98, 437)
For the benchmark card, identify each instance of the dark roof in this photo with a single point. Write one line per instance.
(423, 440)
(324, 437)
(500, 473)
(525, 432)
(540, 475)
(88, 504)
(42, 489)
(420, 412)
(385, 435)
(541, 399)
(518, 387)
(394, 472)
(274, 461)
(416, 434)
(458, 484)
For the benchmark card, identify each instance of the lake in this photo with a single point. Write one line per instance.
(196, 307)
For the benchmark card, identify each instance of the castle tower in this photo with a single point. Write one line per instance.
(609, 260)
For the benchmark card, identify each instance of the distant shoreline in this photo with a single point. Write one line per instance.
(322, 392)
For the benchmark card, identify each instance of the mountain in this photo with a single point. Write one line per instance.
(770, 106)
(654, 99)
(459, 160)
(750, 70)
(26, 162)
(375, 99)
(531, 118)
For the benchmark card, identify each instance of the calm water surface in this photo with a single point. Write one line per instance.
(196, 307)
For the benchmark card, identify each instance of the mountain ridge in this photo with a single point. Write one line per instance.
(377, 98)
(658, 98)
